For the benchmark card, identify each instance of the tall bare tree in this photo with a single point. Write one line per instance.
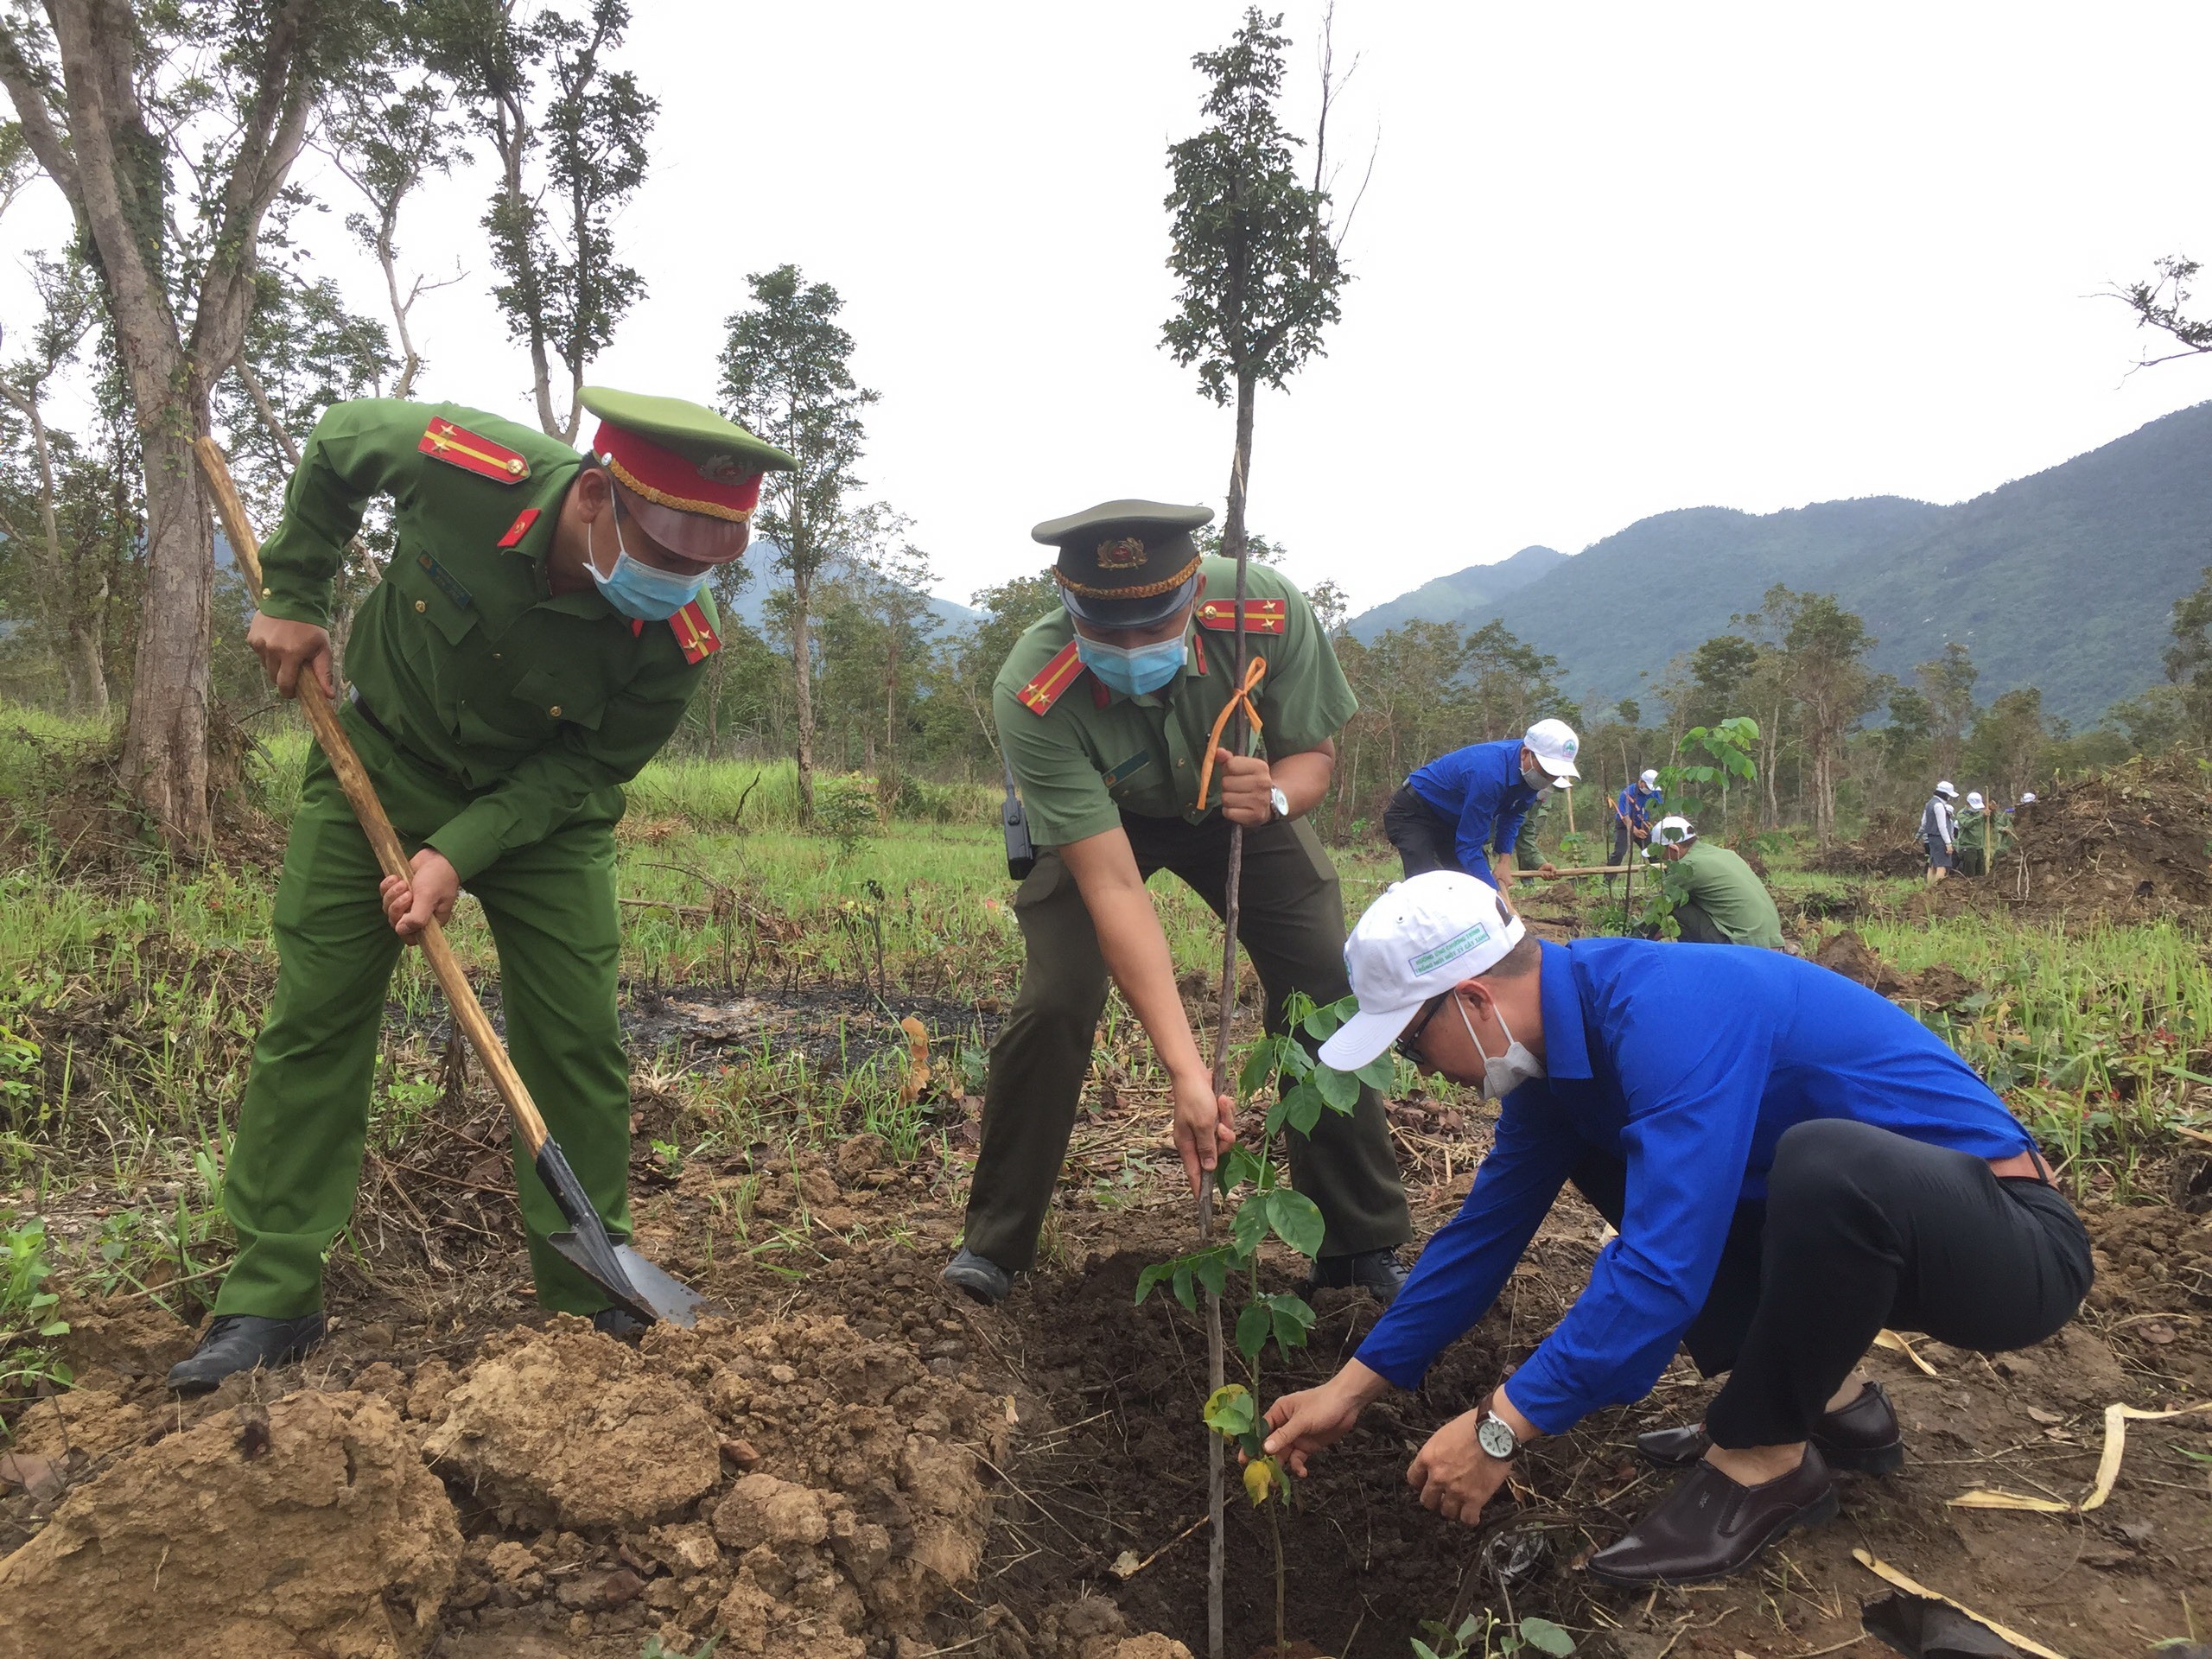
(115, 101)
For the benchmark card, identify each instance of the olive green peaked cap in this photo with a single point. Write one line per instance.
(1124, 565)
(692, 430)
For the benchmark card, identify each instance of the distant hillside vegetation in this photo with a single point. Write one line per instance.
(2063, 580)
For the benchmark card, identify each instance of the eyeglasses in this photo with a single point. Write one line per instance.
(1408, 1043)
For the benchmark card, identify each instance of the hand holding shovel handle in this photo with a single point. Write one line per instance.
(615, 1269)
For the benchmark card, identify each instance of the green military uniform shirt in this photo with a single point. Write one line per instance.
(1086, 760)
(1722, 886)
(532, 701)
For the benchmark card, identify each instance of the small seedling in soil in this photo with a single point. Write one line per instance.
(653, 1649)
(1486, 1636)
(1304, 1088)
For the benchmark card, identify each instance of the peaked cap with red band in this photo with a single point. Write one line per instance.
(691, 478)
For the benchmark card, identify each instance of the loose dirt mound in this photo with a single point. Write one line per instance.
(2135, 836)
(1890, 847)
(312, 1527)
(1936, 986)
(569, 1427)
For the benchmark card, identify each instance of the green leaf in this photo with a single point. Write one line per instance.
(1340, 1090)
(1249, 1225)
(1151, 1279)
(1231, 1410)
(1296, 1220)
(1296, 1062)
(1253, 1326)
(1242, 1164)
(55, 1328)
(1422, 1650)
(1303, 1106)
(1547, 1638)
(1184, 1292)
(1259, 1066)
(1212, 1269)
(1381, 1072)
(1323, 1023)
(1291, 1319)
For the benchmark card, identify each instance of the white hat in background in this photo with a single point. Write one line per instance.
(1673, 831)
(1945, 789)
(1974, 799)
(1423, 936)
(1555, 744)
(1649, 778)
(2026, 796)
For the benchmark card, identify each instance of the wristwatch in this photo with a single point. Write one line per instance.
(1280, 801)
(1496, 1436)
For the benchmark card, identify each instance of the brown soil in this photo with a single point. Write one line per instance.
(1933, 987)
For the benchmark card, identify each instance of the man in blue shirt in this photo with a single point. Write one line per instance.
(1633, 817)
(1464, 810)
(1793, 1162)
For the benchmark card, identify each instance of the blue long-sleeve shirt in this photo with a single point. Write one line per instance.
(1633, 806)
(1687, 1062)
(1479, 789)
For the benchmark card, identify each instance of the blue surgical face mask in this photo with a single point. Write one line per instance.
(639, 590)
(1132, 670)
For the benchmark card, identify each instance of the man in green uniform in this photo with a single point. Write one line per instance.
(1105, 708)
(1723, 901)
(533, 644)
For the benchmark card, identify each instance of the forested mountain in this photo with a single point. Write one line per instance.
(1468, 593)
(2063, 580)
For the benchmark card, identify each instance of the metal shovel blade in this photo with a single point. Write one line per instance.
(637, 1286)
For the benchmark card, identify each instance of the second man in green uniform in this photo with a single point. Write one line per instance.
(1105, 708)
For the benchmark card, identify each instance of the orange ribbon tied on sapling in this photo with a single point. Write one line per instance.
(1255, 671)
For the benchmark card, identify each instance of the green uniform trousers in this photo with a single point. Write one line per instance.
(296, 1161)
(1290, 920)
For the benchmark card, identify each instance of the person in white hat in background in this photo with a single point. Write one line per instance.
(1967, 837)
(1939, 832)
(1632, 810)
(1793, 1161)
(1724, 901)
(1468, 810)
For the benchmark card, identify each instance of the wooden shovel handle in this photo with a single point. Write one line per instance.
(322, 719)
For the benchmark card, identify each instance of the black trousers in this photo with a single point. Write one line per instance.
(1426, 840)
(1864, 1229)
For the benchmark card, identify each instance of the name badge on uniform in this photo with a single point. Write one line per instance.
(1128, 769)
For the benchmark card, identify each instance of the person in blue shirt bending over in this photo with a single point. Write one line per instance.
(1632, 810)
(1464, 810)
(1793, 1161)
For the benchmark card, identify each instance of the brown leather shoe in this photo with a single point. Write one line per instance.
(1864, 1437)
(1709, 1527)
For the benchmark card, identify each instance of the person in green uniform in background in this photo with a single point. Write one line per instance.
(1726, 903)
(1104, 709)
(533, 643)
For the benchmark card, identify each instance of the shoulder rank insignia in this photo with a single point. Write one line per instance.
(694, 632)
(1261, 615)
(458, 447)
(1041, 693)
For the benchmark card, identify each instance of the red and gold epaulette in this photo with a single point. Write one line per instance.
(1041, 693)
(520, 528)
(473, 452)
(1261, 615)
(695, 634)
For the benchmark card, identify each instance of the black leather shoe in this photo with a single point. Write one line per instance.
(1376, 1272)
(1864, 1437)
(1709, 1527)
(244, 1342)
(619, 1323)
(978, 1276)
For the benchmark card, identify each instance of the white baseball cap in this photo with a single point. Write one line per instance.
(1974, 799)
(2026, 796)
(1673, 831)
(1945, 789)
(1423, 936)
(1554, 743)
(1649, 778)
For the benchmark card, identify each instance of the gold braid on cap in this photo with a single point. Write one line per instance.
(1147, 590)
(681, 504)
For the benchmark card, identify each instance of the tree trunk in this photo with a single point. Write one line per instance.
(1240, 468)
(803, 687)
(165, 745)
(88, 647)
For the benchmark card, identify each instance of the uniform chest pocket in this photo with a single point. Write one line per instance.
(434, 595)
(556, 696)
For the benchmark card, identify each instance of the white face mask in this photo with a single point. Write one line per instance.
(1506, 1072)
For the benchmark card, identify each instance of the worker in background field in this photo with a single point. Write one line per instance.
(1726, 903)
(1632, 810)
(533, 643)
(1967, 836)
(1467, 810)
(1938, 832)
(1794, 1163)
(1105, 709)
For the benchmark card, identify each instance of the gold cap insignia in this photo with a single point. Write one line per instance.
(1126, 553)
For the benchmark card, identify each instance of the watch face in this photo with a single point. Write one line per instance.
(1495, 1435)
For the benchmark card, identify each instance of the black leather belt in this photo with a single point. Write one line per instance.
(369, 715)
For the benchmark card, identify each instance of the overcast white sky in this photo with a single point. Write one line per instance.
(1615, 258)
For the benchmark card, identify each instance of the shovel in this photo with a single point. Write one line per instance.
(631, 1283)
